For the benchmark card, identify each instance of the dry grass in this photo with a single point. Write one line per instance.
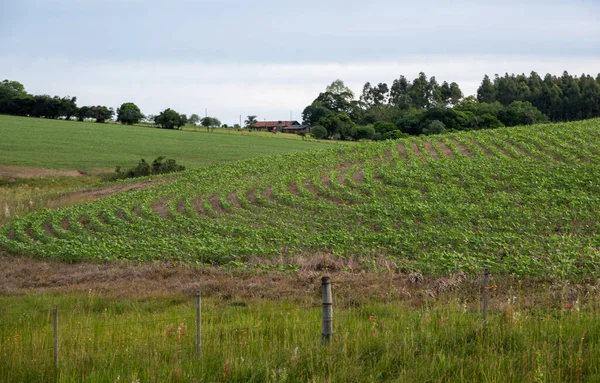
(20, 275)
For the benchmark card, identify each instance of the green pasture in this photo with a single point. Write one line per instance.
(57, 144)
(154, 340)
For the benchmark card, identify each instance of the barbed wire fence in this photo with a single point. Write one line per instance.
(58, 340)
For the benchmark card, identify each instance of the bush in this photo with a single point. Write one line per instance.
(160, 165)
(318, 132)
(435, 127)
(364, 132)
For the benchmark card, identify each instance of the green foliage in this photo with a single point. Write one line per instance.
(435, 127)
(318, 132)
(521, 113)
(338, 124)
(364, 132)
(129, 113)
(170, 119)
(161, 165)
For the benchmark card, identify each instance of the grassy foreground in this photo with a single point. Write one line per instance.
(153, 340)
(57, 144)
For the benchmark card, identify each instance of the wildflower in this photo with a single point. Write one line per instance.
(567, 306)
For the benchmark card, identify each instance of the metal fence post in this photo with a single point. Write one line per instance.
(55, 317)
(486, 275)
(327, 310)
(198, 323)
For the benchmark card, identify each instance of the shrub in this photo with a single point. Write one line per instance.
(318, 132)
(160, 165)
(435, 127)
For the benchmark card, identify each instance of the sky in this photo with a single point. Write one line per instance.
(271, 58)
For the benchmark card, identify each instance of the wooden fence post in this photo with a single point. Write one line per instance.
(198, 323)
(327, 310)
(55, 317)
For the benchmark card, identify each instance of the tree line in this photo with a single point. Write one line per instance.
(424, 106)
(14, 100)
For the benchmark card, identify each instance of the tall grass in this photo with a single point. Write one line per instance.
(153, 340)
(21, 196)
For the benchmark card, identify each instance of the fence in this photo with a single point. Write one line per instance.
(83, 334)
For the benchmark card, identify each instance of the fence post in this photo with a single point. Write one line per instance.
(55, 317)
(198, 323)
(486, 275)
(327, 310)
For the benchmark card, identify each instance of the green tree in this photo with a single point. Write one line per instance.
(194, 119)
(129, 113)
(169, 119)
(210, 123)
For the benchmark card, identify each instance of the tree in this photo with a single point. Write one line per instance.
(338, 125)
(194, 119)
(100, 113)
(129, 113)
(169, 119)
(399, 93)
(210, 122)
(68, 107)
(486, 92)
(250, 122)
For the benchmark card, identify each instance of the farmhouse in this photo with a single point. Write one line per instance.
(269, 126)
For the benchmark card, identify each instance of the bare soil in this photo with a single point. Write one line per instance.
(10, 171)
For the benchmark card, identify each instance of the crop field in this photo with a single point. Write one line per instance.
(57, 144)
(521, 201)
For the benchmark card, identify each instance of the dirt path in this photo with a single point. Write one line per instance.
(10, 171)
(93, 194)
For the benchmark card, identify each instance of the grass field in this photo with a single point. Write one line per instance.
(57, 144)
(516, 200)
(104, 339)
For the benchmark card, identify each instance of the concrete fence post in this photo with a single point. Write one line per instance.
(327, 328)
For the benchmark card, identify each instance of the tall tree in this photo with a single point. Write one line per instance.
(486, 91)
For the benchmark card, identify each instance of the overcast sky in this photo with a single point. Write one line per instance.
(272, 58)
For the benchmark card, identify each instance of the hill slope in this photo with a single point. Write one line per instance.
(518, 200)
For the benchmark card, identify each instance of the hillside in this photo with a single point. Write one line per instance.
(516, 200)
(58, 144)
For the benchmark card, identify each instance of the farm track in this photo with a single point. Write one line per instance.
(408, 199)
